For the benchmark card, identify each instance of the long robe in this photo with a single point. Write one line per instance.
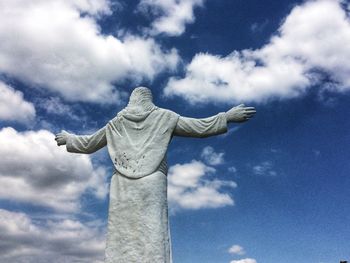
(138, 229)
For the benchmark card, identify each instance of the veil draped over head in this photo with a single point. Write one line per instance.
(138, 137)
(140, 105)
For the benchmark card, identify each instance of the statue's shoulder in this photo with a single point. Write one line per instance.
(169, 113)
(165, 117)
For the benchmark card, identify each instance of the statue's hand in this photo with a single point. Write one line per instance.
(61, 138)
(240, 113)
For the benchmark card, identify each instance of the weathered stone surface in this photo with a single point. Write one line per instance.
(137, 140)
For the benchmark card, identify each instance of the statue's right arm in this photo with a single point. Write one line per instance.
(82, 143)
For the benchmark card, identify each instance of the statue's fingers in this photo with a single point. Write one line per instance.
(249, 108)
(250, 113)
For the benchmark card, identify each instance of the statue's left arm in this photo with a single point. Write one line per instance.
(201, 128)
(215, 125)
(82, 143)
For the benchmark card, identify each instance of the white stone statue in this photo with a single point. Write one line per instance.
(137, 140)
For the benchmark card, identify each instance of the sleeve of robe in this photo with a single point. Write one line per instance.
(201, 128)
(87, 143)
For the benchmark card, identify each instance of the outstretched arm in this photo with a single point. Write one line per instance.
(240, 113)
(82, 143)
(215, 125)
(201, 128)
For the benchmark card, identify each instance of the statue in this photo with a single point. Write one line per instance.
(137, 140)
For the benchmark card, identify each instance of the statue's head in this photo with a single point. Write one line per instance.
(141, 96)
(140, 104)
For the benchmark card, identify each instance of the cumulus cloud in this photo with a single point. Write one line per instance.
(13, 107)
(33, 169)
(259, 27)
(58, 45)
(236, 250)
(265, 168)
(190, 187)
(309, 48)
(59, 241)
(212, 157)
(232, 169)
(55, 106)
(246, 260)
(172, 15)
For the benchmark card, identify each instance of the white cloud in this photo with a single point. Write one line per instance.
(24, 240)
(232, 169)
(55, 106)
(173, 15)
(313, 38)
(246, 260)
(13, 107)
(33, 169)
(265, 168)
(212, 157)
(236, 250)
(93, 7)
(190, 188)
(58, 45)
(258, 27)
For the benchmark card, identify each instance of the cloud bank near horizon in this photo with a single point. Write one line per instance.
(51, 177)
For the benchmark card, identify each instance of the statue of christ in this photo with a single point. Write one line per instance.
(137, 140)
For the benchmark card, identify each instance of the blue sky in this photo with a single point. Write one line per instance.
(274, 189)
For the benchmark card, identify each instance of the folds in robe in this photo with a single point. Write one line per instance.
(137, 146)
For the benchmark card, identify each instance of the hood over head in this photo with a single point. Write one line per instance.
(140, 105)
